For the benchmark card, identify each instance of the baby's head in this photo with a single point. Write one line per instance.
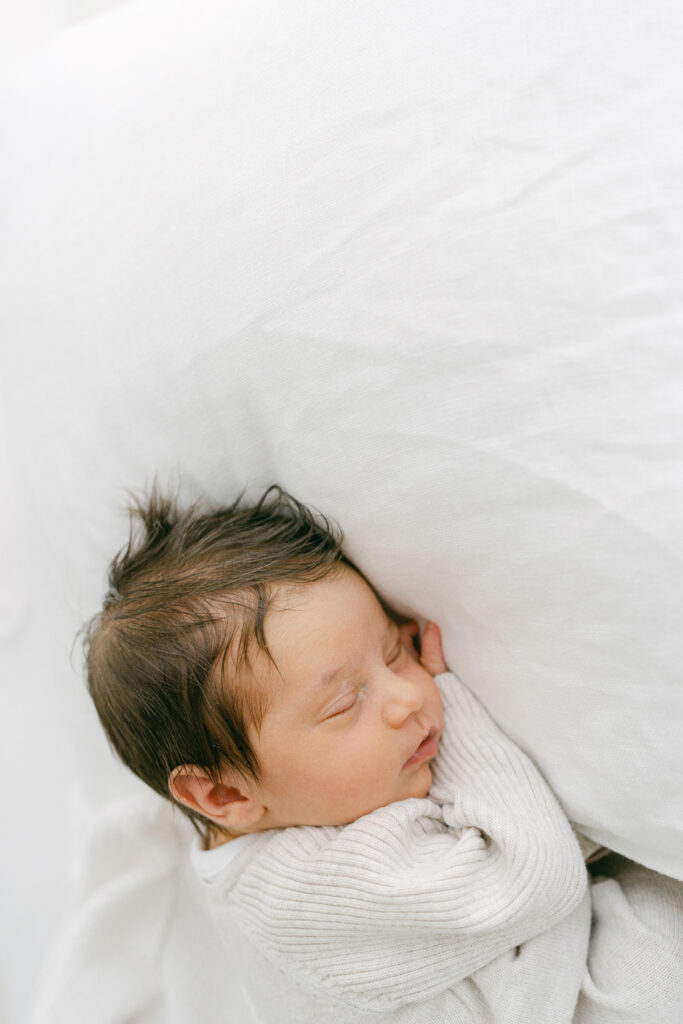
(243, 667)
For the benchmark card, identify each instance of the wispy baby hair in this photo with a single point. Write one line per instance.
(187, 598)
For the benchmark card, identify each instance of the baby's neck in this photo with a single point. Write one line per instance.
(215, 839)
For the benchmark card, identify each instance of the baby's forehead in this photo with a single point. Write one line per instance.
(336, 617)
(343, 591)
(310, 630)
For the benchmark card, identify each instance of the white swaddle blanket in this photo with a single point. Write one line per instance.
(139, 946)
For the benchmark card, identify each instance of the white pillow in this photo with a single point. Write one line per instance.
(418, 263)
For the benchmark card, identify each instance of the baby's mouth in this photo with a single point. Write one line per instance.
(427, 749)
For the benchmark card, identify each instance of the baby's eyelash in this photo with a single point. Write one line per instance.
(359, 694)
(392, 658)
(342, 711)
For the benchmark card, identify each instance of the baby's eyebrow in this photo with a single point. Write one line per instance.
(334, 674)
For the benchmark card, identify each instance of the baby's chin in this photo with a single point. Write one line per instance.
(422, 783)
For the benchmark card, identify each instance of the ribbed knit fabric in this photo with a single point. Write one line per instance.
(473, 904)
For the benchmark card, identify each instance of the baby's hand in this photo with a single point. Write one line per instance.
(430, 653)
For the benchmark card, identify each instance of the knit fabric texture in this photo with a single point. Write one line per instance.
(473, 904)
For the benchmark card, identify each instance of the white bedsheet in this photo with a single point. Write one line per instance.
(420, 264)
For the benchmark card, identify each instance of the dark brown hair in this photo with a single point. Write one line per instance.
(187, 597)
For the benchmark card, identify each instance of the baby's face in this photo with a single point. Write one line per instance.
(347, 715)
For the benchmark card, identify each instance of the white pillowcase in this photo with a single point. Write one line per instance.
(418, 263)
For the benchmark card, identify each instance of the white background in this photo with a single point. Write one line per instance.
(33, 765)
(545, 444)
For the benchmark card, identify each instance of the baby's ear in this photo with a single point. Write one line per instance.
(229, 802)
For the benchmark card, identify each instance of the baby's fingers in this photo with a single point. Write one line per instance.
(432, 653)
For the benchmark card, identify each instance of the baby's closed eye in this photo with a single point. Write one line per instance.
(349, 703)
(350, 700)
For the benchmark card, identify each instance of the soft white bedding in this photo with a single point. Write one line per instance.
(420, 264)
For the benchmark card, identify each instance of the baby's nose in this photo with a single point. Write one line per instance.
(404, 700)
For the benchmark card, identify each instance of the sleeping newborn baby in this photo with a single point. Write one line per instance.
(373, 846)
